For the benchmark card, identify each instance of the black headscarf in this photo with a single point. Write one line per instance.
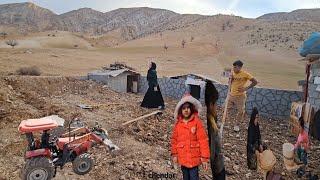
(153, 66)
(152, 75)
(253, 116)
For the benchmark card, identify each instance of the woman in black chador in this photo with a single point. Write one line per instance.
(153, 98)
(254, 142)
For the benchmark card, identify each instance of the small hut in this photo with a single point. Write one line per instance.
(118, 78)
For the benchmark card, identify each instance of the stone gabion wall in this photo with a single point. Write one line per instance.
(270, 102)
(174, 88)
(314, 96)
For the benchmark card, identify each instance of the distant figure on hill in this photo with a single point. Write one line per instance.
(153, 98)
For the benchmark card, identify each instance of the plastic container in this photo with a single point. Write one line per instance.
(288, 154)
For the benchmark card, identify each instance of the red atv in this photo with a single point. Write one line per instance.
(46, 152)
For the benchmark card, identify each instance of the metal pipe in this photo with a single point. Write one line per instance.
(307, 83)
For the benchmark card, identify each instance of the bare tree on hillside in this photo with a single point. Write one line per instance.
(12, 43)
(228, 23)
(165, 47)
(183, 43)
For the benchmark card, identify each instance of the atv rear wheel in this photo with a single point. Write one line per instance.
(39, 168)
(82, 164)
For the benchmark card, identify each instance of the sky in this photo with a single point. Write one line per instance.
(244, 8)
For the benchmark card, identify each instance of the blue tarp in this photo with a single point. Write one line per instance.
(311, 45)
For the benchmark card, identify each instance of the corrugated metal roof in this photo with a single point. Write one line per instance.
(196, 76)
(98, 72)
(117, 72)
(113, 73)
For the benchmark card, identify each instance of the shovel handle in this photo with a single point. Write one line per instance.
(221, 130)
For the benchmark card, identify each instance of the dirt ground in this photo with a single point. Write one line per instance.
(144, 144)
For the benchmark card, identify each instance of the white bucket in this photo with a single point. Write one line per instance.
(288, 154)
(288, 150)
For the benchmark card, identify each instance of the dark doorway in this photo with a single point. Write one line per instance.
(195, 91)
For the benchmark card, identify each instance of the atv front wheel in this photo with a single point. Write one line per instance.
(82, 164)
(39, 168)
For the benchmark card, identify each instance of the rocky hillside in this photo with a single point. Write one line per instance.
(132, 22)
(81, 20)
(138, 21)
(26, 17)
(274, 35)
(270, 31)
(310, 15)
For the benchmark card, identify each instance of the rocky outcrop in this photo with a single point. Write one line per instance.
(284, 30)
(27, 17)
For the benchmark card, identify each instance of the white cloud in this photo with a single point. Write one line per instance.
(233, 4)
(289, 5)
(230, 7)
(204, 7)
(141, 3)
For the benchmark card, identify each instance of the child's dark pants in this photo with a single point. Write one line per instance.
(190, 173)
(302, 155)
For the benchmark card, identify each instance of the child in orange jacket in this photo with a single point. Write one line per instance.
(189, 142)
